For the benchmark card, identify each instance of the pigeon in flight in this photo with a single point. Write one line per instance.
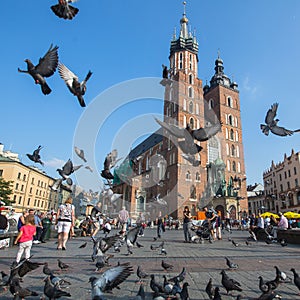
(56, 185)
(45, 68)
(77, 88)
(64, 10)
(110, 161)
(80, 153)
(35, 156)
(108, 280)
(89, 168)
(271, 123)
(67, 170)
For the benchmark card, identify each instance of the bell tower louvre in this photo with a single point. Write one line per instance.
(217, 178)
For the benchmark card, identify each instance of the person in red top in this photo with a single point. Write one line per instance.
(25, 237)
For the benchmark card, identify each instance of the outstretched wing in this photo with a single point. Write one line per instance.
(174, 130)
(281, 131)
(67, 75)
(68, 167)
(203, 134)
(271, 114)
(36, 152)
(48, 64)
(132, 234)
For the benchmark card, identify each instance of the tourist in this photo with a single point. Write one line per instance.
(123, 219)
(282, 224)
(65, 219)
(21, 220)
(211, 218)
(187, 224)
(25, 238)
(38, 224)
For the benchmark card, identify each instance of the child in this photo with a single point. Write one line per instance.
(25, 237)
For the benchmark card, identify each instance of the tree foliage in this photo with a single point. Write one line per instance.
(5, 190)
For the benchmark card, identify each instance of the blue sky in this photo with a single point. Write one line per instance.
(122, 41)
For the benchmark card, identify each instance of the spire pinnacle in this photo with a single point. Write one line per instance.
(184, 4)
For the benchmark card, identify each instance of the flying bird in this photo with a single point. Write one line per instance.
(64, 10)
(56, 185)
(271, 123)
(89, 168)
(80, 153)
(67, 170)
(35, 156)
(108, 280)
(77, 88)
(45, 68)
(110, 161)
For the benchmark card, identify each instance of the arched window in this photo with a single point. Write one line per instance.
(180, 60)
(192, 123)
(232, 150)
(191, 79)
(233, 166)
(231, 134)
(211, 104)
(229, 102)
(191, 62)
(193, 192)
(198, 178)
(191, 107)
(230, 120)
(188, 176)
(191, 92)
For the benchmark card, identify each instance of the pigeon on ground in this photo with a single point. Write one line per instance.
(270, 295)
(166, 266)
(217, 295)
(271, 123)
(35, 156)
(262, 285)
(141, 293)
(45, 68)
(155, 286)
(283, 243)
(210, 291)
(165, 73)
(141, 274)
(282, 275)
(231, 265)
(63, 266)
(168, 287)
(230, 284)
(54, 292)
(273, 284)
(184, 294)
(247, 243)
(108, 280)
(46, 270)
(77, 88)
(83, 245)
(64, 10)
(180, 277)
(102, 261)
(17, 291)
(58, 282)
(80, 153)
(5, 278)
(163, 251)
(296, 279)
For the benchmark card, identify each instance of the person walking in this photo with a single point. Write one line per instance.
(21, 220)
(123, 219)
(160, 225)
(25, 238)
(187, 224)
(65, 219)
(38, 224)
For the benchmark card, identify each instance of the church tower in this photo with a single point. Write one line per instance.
(183, 105)
(222, 99)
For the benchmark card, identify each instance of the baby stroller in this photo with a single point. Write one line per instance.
(202, 233)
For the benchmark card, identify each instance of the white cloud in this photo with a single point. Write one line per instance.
(54, 163)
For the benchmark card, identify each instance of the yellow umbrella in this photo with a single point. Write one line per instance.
(291, 215)
(269, 214)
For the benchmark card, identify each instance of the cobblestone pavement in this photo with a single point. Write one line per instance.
(202, 261)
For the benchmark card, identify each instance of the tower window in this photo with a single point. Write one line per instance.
(191, 79)
(184, 104)
(229, 102)
(191, 63)
(198, 178)
(193, 192)
(192, 123)
(231, 134)
(191, 92)
(239, 167)
(230, 120)
(233, 166)
(184, 121)
(191, 107)
(188, 176)
(211, 104)
(232, 150)
(180, 60)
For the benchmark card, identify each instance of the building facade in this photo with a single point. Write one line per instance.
(31, 186)
(281, 184)
(158, 166)
(256, 199)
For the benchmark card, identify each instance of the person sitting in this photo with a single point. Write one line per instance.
(282, 224)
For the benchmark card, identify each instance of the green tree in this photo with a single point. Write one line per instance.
(5, 190)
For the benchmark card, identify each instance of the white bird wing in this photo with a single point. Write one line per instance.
(67, 75)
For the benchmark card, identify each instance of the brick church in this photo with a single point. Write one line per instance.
(156, 177)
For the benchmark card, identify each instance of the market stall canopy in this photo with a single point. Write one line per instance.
(269, 214)
(291, 215)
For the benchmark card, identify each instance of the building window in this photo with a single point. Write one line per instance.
(22, 187)
(32, 180)
(28, 202)
(191, 107)
(180, 60)
(229, 102)
(233, 166)
(193, 192)
(184, 121)
(230, 120)
(289, 173)
(191, 79)
(17, 186)
(227, 149)
(198, 178)
(237, 151)
(232, 134)
(226, 133)
(295, 171)
(211, 104)
(296, 182)
(191, 92)
(239, 167)
(24, 177)
(30, 190)
(288, 185)
(236, 136)
(188, 176)
(184, 104)
(20, 199)
(232, 150)
(280, 178)
(192, 123)
(281, 188)
(191, 62)
(19, 175)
